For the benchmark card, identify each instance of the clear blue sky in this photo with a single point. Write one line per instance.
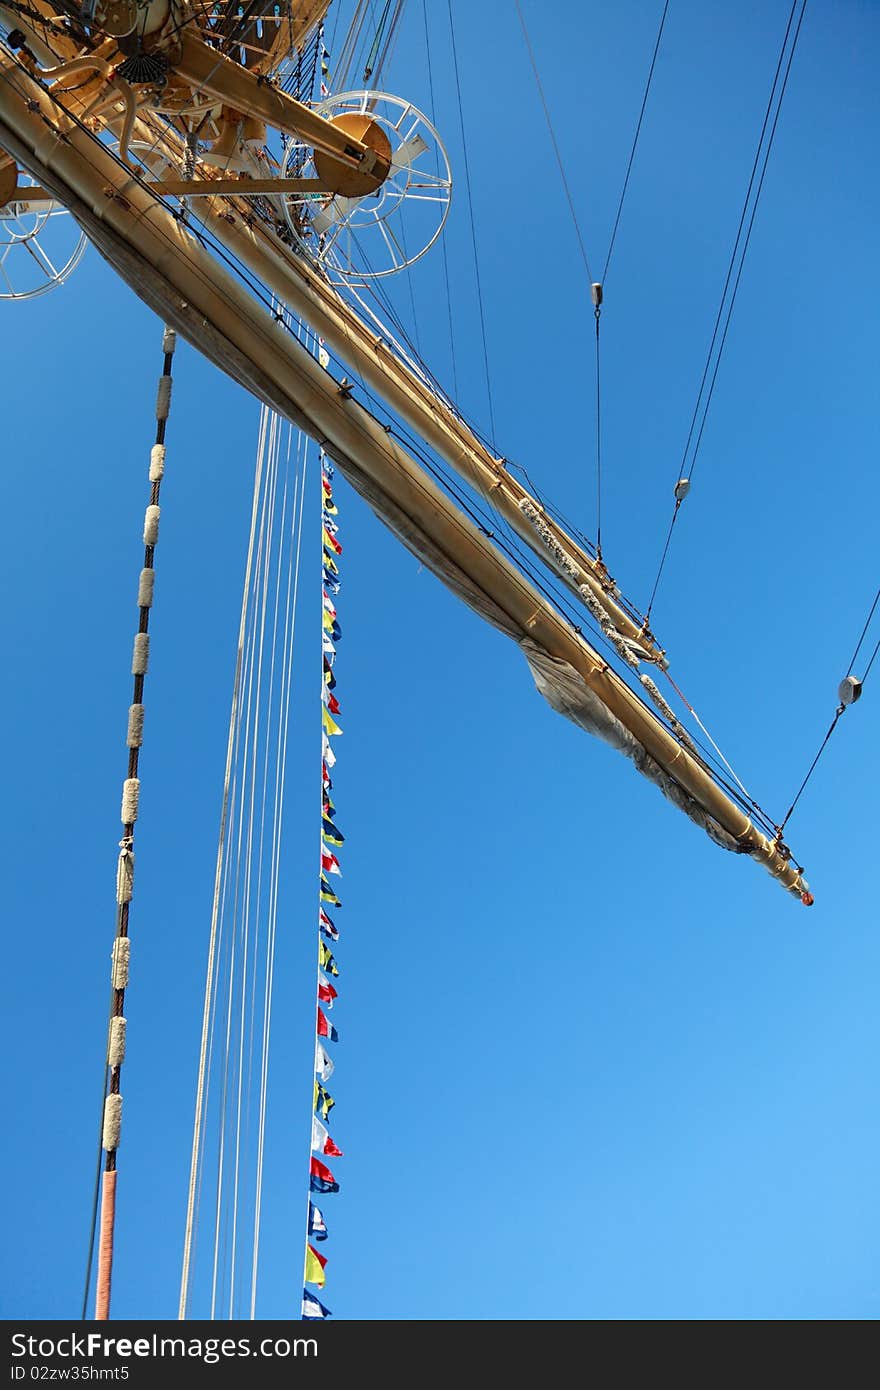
(591, 1067)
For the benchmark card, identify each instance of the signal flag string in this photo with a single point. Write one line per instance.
(321, 1179)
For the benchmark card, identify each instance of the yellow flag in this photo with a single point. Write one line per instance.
(314, 1270)
(329, 722)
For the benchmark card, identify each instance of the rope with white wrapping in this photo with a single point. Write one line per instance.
(121, 954)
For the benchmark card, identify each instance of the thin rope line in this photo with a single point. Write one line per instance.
(256, 742)
(743, 788)
(822, 747)
(841, 709)
(467, 180)
(270, 704)
(234, 882)
(274, 851)
(233, 877)
(852, 660)
(662, 564)
(685, 470)
(228, 1214)
(278, 811)
(552, 133)
(275, 453)
(212, 941)
(734, 251)
(632, 153)
(437, 165)
(598, 445)
(747, 240)
(93, 1224)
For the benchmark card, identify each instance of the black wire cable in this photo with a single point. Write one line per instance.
(684, 470)
(822, 747)
(571, 206)
(553, 141)
(852, 660)
(746, 242)
(467, 180)
(93, 1219)
(841, 708)
(632, 153)
(735, 250)
(442, 239)
(598, 313)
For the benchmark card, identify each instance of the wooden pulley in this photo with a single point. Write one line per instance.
(341, 178)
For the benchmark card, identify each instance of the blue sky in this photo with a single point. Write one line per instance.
(591, 1067)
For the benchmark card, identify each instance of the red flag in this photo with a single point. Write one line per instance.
(320, 1177)
(331, 1150)
(329, 862)
(325, 1028)
(326, 993)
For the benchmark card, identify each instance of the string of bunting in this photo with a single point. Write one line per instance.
(321, 1179)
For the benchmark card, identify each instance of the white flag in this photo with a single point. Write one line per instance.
(319, 1135)
(323, 1062)
(312, 1308)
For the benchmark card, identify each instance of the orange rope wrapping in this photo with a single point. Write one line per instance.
(105, 1247)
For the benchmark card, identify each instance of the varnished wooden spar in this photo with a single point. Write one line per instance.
(297, 284)
(175, 275)
(300, 287)
(211, 73)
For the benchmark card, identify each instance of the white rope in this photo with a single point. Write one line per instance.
(275, 447)
(243, 718)
(240, 857)
(267, 713)
(741, 786)
(251, 763)
(259, 895)
(293, 572)
(195, 1161)
(232, 1093)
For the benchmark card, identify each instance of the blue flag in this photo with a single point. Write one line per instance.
(317, 1225)
(313, 1309)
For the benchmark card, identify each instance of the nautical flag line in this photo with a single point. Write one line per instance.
(321, 1179)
